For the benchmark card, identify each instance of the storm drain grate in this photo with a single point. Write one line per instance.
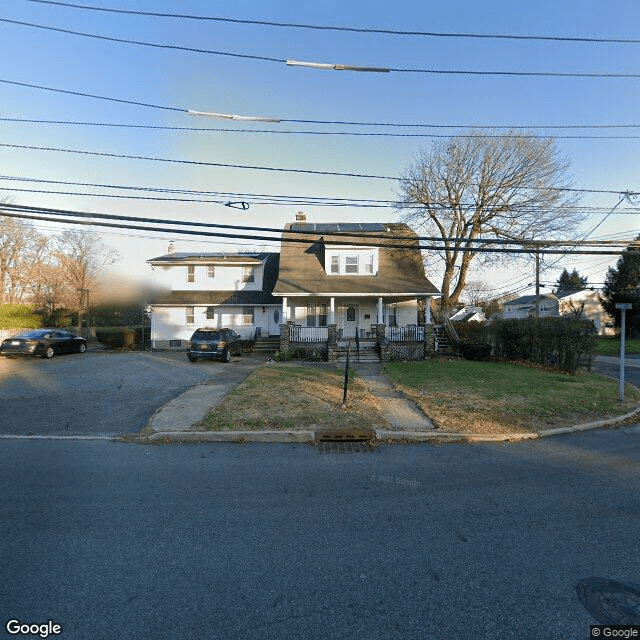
(344, 447)
(610, 602)
(345, 435)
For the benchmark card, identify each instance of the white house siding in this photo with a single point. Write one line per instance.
(592, 309)
(227, 277)
(170, 330)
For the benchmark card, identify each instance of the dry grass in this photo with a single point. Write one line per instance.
(285, 396)
(501, 398)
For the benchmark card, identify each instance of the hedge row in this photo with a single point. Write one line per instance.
(564, 343)
(19, 316)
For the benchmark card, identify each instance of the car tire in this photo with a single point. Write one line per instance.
(82, 348)
(48, 352)
(192, 358)
(226, 356)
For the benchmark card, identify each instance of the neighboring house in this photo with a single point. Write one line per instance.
(354, 276)
(525, 306)
(585, 303)
(214, 290)
(468, 314)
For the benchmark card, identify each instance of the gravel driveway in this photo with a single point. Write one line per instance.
(96, 393)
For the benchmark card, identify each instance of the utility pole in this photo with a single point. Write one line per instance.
(623, 306)
(537, 281)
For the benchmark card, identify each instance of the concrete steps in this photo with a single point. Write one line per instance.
(267, 345)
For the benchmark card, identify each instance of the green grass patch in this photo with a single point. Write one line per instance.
(499, 396)
(610, 346)
(19, 316)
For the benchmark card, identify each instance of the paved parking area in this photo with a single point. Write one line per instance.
(97, 393)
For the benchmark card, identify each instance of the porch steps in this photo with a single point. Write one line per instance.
(368, 352)
(443, 344)
(269, 344)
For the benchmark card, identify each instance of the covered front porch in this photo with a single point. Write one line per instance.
(388, 328)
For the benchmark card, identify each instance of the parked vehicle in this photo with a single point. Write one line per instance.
(214, 344)
(42, 342)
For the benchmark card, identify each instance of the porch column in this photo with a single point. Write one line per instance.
(285, 315)
(332, 311)
(380, 314)
(427, 311)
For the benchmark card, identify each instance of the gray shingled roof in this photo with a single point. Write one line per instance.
(400, 270)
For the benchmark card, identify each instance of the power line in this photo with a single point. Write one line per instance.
(291, 235)
(227, 165)
(331, 122)
(245, 56)
(394, 32)
(381, 134)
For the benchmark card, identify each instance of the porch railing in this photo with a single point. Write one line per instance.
(299, 333)
(412, 333)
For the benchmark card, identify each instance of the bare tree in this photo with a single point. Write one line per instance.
(478, 292)
(511, 186)
(81, 258)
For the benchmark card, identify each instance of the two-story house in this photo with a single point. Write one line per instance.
(362, 279)
(214, 290)
(353, 275)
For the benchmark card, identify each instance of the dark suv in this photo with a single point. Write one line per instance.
(218, 344)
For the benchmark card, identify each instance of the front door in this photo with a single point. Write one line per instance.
(350, 321)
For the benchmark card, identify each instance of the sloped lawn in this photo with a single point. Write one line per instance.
(495, 397)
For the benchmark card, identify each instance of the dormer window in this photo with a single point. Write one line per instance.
(351, 264)
(248, 274)
(352, 261)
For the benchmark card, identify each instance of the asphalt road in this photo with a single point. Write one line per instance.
(113, 540)
(611, 367)
(96, 393)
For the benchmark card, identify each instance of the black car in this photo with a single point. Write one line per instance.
(214, 344)
(42, 342)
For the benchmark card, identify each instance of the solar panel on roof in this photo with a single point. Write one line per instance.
(348, 227)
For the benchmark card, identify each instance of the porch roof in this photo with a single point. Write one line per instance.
(400, 267)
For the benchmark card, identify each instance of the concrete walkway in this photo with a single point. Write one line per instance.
(402, 413)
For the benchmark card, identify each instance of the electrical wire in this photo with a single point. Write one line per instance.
(330, 122)
(293, 235)
(245, 56)
(394, 32)
(380, 134)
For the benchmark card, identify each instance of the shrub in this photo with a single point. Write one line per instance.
(120, 337)
(19, 316)
(475, 350)
(564, 343)
(283, 356)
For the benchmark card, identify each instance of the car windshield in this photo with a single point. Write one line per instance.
(30, 335)
(206, 335)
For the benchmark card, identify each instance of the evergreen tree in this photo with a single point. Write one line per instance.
(568, 282)
(622, 284)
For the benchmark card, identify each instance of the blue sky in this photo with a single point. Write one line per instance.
(187, 80)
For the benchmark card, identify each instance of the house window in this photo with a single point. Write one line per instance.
(248, 274)
(351, 264)
(368, 264)
(351, 314)
(211, 313)
(191, 315)
(392, 315)
(316, 315)
(211, 271)
(191, 273)
(335, 264)
(247, 315)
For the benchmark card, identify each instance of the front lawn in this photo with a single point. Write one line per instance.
(285, 396)
(498, 397)
(610, 346)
